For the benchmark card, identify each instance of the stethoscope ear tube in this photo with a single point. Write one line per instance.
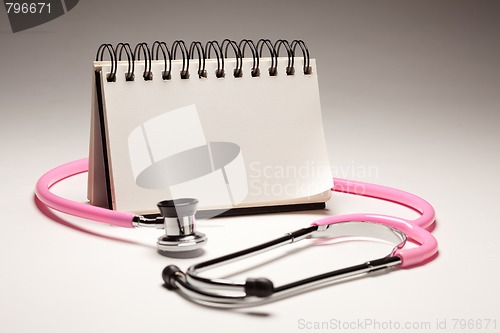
(226, 293)
(253, 287)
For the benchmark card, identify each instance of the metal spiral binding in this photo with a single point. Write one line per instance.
(255, 72)
(167, 58)
(120, 47)
(214, 45)
(147, 75)
(202, 73)
(200, 53)
(111, 77)
(277, 45)
(238, 71)
(273, 70)
(185, 57)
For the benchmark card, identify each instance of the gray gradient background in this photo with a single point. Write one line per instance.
(411, 88)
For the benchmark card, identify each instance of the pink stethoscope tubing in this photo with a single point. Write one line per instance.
(414, 229)
(54, 176)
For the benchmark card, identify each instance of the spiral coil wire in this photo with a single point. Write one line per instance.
(196, 52)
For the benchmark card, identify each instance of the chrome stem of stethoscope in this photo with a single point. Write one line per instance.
(256, 291)
(178, 220)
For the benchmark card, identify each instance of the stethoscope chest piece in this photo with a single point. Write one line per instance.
(179, 224)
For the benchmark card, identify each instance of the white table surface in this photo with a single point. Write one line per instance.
(411, 99)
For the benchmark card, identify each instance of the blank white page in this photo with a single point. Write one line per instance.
(230, 142)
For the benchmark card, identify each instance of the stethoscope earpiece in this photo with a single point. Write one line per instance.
(179, 224)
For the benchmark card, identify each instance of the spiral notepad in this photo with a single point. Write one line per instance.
(234, 124)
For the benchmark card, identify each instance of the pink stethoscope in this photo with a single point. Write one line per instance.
(180, 235)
